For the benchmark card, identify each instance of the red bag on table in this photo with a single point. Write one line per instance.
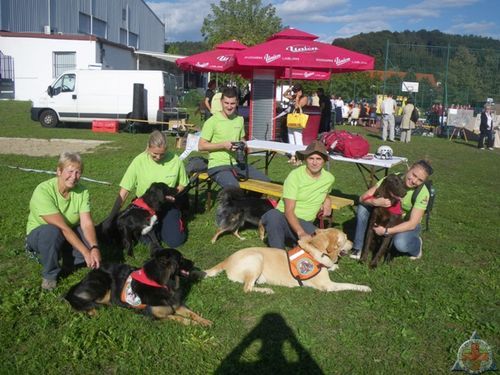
(348, 144)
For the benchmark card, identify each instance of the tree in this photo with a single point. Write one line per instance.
(245, 20)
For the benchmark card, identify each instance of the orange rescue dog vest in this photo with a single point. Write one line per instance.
(302, 265)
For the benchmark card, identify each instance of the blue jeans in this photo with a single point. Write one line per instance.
(225, 175)
(278, 230)
(49, 244)
(405, 242)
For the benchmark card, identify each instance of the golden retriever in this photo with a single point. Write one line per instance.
(259, 265)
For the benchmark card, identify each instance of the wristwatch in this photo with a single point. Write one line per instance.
(386, 233)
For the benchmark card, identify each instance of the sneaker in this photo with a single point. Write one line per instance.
(490, 148)
(48, 284)
(483, 148)
(419, 251)
(355, 254)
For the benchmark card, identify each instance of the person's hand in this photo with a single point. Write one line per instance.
(305, 237)
(379, 230)
(93, 258)
(228, 145)
(382, 202)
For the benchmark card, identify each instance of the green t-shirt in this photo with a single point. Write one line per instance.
(220, 129)
(46, 200)
(421, 201)
(308, 192)
(143, 171)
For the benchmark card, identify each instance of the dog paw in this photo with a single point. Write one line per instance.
(334, 267)
(205, 322)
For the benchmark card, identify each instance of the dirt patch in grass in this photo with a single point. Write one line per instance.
(46, 147)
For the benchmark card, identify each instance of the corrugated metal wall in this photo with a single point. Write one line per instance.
(262, 108)
(33, 15)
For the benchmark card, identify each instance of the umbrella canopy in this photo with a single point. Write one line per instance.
(219, 59)
(292, 48)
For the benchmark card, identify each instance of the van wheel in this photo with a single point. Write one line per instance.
(48, 119)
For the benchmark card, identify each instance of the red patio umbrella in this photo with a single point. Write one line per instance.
(219, 59)
(292, 48)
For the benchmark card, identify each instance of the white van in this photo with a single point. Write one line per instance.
(87, 95)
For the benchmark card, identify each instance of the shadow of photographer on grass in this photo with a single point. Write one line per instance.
(275, 337)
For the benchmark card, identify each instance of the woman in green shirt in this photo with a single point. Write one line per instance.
(59, 222)
(156, 164)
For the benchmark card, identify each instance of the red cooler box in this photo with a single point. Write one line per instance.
(105, 126)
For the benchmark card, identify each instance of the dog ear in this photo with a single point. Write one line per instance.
(329, 241)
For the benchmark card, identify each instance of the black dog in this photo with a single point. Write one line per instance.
(235, 209)
(153, 289)
(142, 214)
(392, 188)
(125, 228)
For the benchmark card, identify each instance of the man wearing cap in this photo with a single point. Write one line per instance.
(305, 193)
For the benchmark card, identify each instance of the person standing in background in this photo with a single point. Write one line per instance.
(486, 129)
(326, 111)
(209, 94)
(388, 121)
(406, 124)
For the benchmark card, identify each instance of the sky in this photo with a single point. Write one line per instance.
(330, 19)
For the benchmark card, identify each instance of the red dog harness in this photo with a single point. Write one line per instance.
(302, 264)
(129, 297)
(139, 202)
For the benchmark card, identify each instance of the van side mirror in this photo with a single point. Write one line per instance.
(50, 91)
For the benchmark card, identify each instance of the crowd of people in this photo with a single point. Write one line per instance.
(60, 225)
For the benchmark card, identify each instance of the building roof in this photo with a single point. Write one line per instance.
(91, 38)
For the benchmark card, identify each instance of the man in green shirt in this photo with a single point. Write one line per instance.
(305, 192)
(218, 137)
(60, 224)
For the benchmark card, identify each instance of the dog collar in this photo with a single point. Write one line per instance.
(139, 202)
(302, 265)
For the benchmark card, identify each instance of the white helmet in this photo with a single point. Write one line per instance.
(384, 152)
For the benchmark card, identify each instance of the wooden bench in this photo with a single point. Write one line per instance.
(267, 188)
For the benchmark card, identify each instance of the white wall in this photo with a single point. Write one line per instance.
(33, 60)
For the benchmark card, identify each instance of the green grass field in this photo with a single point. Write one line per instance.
(413, 322)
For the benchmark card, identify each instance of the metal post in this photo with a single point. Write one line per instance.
(385, 64)
(445, 101)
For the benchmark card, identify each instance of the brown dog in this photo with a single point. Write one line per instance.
(392, 188)
(257, 265)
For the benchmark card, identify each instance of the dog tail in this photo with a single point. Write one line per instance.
(215, 270)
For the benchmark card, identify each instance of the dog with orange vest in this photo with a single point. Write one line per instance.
(307, 265)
